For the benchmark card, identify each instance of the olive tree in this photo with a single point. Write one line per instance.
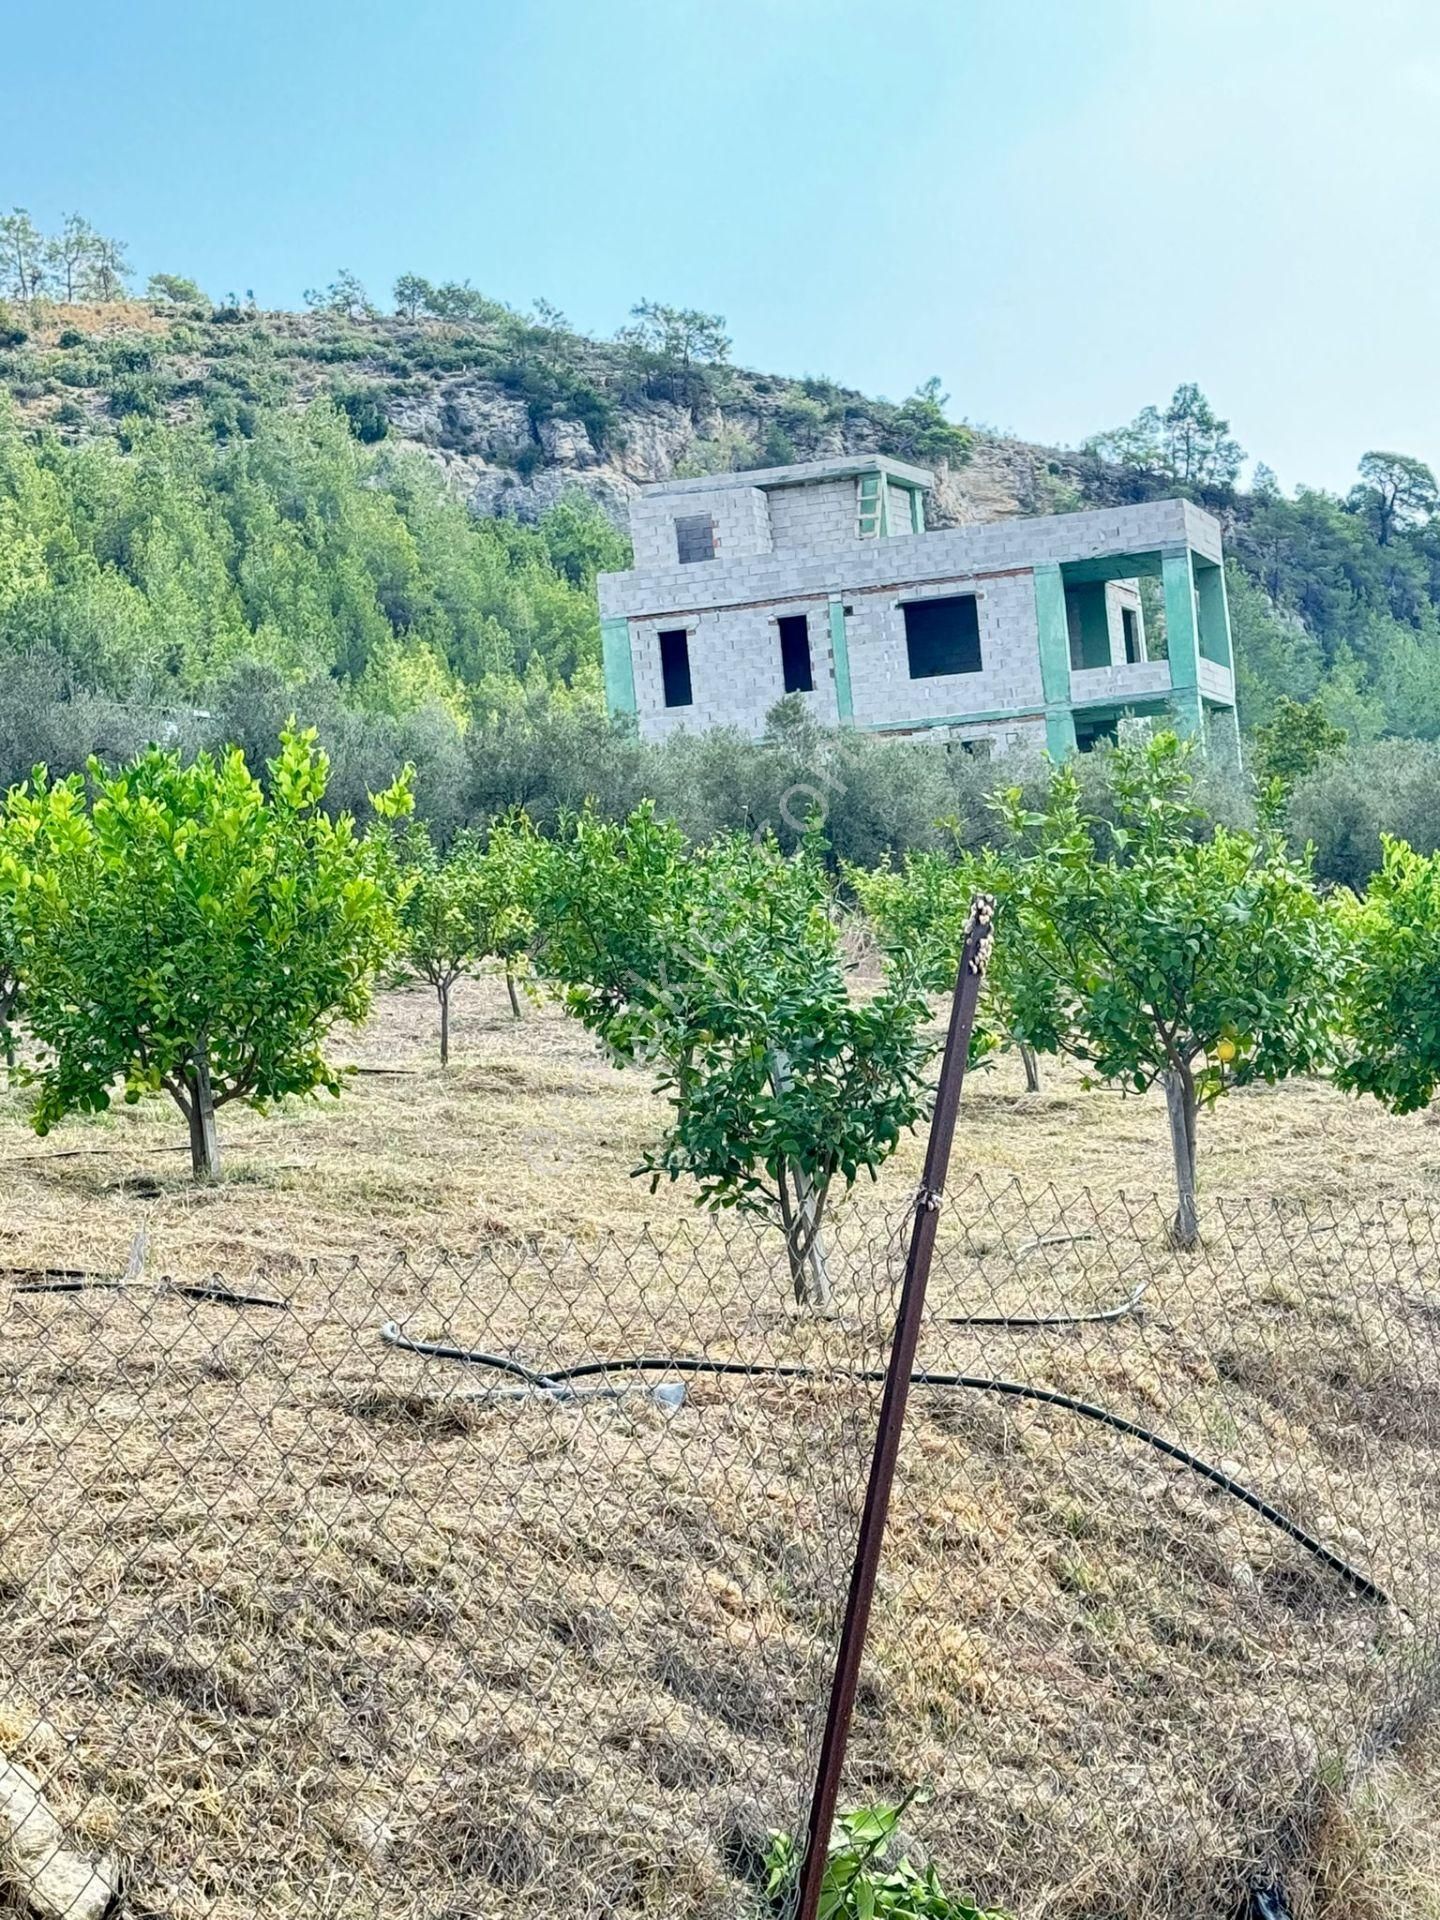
(181, 932)
(1391, 1037)
(721, 967)
(1153, 949)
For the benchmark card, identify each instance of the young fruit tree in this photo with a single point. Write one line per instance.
(720, 966)
(463, 907)
(183, 933)
(1390, 1043)
(1155, 948)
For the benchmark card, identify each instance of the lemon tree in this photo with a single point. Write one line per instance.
(184, 932)
(1391, 1043)
(1155, 948)
(720, 967)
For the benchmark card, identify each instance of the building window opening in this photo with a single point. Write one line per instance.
(694, 538)
(943, 636)
(1130, 627)
(675, 667)
(795, 654)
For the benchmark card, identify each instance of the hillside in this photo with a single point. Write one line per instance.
(515, 414)
(212, 516)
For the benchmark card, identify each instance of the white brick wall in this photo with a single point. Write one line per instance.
(1009, 676)
(817, 516)
(735, 671)
(730, 605)
(741, 520)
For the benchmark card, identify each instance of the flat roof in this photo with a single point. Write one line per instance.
(804, 473)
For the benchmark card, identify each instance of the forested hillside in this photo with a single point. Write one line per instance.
(392, 521)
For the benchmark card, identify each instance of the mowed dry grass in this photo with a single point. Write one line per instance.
(297, 1625)
(531, 1130)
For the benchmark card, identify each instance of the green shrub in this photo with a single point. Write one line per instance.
(1345, 805)
(858, 1885)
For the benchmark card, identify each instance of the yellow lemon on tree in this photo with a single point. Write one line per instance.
(1225, 1051)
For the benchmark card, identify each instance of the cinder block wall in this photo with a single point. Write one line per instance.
(740, 516)
(736, 675)
(821, 515)
(1009, 676)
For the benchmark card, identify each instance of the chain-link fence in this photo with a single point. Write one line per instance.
(512, 1585)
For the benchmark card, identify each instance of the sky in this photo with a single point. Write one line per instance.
(1063, 208)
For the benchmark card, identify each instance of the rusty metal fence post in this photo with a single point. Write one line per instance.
(870, 1537)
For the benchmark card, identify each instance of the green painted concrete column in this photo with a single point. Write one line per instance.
(619, 666)
(1213, 616)
(1182, 639)
(840, 653)
(1053, 631)
(917, 510)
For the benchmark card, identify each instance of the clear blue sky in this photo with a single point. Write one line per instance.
(1062, 207)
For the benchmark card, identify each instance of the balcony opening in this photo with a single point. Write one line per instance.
(675, 667)
(795, 659)
(943, 636)
(1088, 623)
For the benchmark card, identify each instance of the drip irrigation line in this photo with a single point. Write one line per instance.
(560, 1377)
(1090, 1319)
(214, 1293)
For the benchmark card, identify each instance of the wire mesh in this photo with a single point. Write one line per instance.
(299, 1617)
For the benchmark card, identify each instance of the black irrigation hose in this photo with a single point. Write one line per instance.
(1091, 1319)
(437, 1350)
(979, 1383)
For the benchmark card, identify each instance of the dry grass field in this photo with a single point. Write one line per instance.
(299, 1624)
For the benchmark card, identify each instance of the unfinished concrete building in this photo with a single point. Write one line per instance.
(821, 580)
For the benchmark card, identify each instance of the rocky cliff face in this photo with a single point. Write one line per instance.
(514, 416)
(483, 440)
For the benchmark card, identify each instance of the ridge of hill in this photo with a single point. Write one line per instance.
(543, 434)
(515, 414)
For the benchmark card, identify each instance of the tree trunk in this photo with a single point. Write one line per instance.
(1181, 1105)
(514, 997)
(204, 1138)
(809, 1271)
(804, 1248)
(1032, 1068)
(442, 988)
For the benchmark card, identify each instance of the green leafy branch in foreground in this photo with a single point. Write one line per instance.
(858, 1885)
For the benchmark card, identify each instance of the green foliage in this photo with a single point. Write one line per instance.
(1296, 739)
(676, 353)
(364, 408)
(175, 290)
(1185, 444)
(1395, 490)
(1147, 948)
(294, 546)
(185, 933)
(918, 429)
(721, 965)
(1344, 807)
(858, 1885)
(345, 296)
(1391, 1044)
(412, 295)
(465, 906)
